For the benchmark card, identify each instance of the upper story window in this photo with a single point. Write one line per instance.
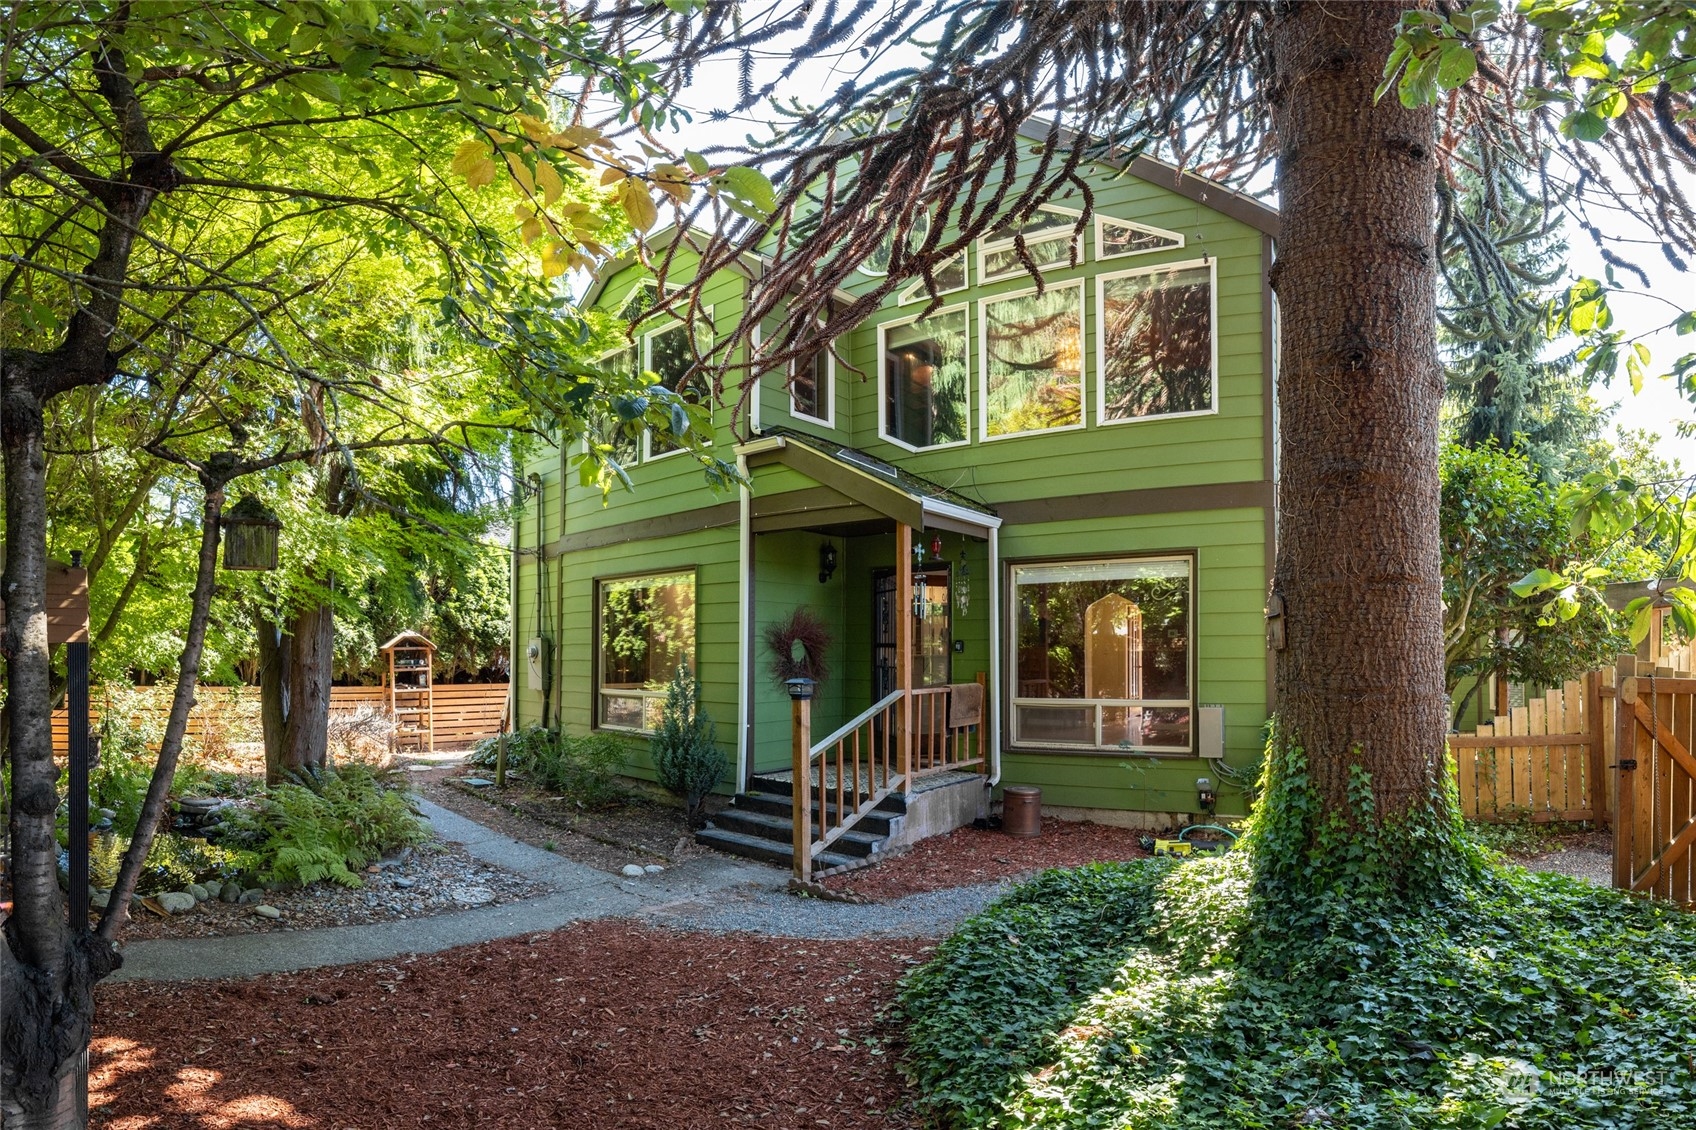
(1101, 654)
(670, 355)
(1051, 237)
(1157, 354)
(647, 630)
(604, 428)
(950, 277)
(1033, 361)
(812, 388)
(1116, 239)
(924, 369)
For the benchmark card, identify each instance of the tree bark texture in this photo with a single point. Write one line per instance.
(176, 726)
(275, 652)
(48, 966)
(312, 646)
(1360, 680)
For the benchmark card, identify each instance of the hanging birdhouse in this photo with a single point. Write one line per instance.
(250, 535)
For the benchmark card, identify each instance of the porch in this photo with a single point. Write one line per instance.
(897, 740)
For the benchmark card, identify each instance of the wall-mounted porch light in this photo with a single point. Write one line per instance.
(827, 561)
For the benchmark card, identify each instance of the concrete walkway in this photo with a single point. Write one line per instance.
(578, 892)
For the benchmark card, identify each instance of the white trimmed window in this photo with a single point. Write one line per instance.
(812, 388)
(646, 630)
(950, 277)
(1117, 239)
(667, 352)
(1158, 353)
(924, 374)
(1032, 354)
(1050, 234)
(1101, 655)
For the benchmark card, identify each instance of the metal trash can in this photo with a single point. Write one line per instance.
(1021, 810)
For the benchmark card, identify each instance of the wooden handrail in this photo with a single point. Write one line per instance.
(860, 719)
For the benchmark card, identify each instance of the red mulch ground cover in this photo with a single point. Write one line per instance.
(971, 855)
(606, 1024)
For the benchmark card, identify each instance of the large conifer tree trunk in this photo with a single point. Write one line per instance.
(1360, 680)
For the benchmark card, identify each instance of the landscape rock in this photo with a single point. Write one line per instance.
(476, 782)
(230, 893)
(404, 884)
(199, 891)
(176, 902)
(98, 898)
(107, 814)
(265, 911)
(252, 897)
(634, 870)
(214, 888)
(471, 896)
(653, 869)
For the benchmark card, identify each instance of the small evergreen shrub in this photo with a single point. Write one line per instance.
(687, 760)
(584, 768)
(329, 825)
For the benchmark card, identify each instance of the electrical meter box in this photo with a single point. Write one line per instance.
(536, 657)
(1210, 732)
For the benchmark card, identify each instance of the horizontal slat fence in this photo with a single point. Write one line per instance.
(464, 712)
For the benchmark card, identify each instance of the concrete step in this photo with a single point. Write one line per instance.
(766, 851)
(880, 821)
(779, 830)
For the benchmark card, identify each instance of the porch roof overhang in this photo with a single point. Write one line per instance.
(855, 490)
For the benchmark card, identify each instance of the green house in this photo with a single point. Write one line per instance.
(1037, 528)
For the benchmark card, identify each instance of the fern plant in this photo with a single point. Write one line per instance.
(327, 826)
(687, 760)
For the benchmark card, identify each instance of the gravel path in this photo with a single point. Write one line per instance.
(777, 913)
(1580, 863)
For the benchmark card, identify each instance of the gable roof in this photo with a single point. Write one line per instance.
(1209, 194)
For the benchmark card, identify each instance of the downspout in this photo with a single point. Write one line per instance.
(995, 660)
(513, 646)
(744, 625)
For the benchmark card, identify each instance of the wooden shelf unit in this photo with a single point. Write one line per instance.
(412, 705)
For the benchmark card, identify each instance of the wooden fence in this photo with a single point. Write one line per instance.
(1655, 825)
(1543, 761)
(464, 712)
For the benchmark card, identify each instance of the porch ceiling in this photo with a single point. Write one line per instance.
(855, 491)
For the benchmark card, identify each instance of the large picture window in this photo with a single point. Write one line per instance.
(647, 629)
(1102, 655)
(671, 357)
(1033, 361)
(1156, 343)
(925, 380)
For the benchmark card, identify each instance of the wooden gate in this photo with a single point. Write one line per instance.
(1654, 813)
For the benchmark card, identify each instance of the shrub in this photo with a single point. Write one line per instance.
(583, 767)
(687, 760)
(326, 826)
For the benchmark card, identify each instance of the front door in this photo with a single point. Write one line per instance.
(926, 598)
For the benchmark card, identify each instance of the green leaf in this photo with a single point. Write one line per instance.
(697, 163)
(319, 85)
(1584, 125)
(1588, 68)
(751, 187)
(1536, 581)
(1456, 65)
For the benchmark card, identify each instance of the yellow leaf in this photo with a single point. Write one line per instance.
(531, 229)
(470, 151)
(534, 128)
(614, 173)
(578, 137)
(674, 182)
(521, 172)
(554, 260)
(637, 204)
(581, 158)
(553, 187)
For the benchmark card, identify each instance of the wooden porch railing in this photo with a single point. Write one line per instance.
(899, 739)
